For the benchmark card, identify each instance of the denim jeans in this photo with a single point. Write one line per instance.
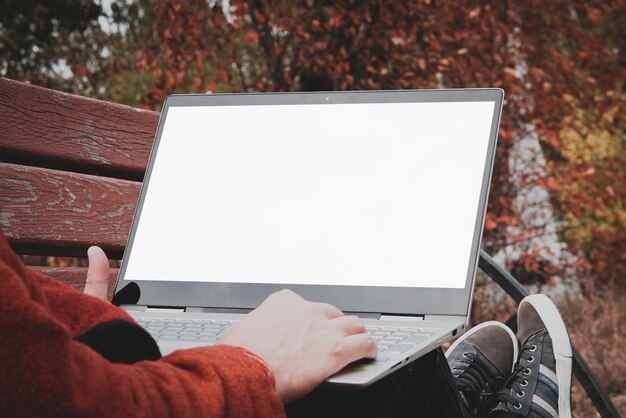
(423, 388)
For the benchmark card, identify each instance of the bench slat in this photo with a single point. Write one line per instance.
(75, 276)
(46, 128)
(52, 212)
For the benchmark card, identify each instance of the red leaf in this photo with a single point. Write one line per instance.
(251, 37)
(490, 224)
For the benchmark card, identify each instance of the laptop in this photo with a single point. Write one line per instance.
(372, 201)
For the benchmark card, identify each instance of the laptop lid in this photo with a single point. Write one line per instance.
(371, 201)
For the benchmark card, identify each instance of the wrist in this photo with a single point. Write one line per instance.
(262, 363)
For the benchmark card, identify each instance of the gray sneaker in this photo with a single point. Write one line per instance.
(541, 381)
(481, 361)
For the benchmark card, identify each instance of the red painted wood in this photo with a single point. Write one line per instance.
(47, 128)
(76, 276)
(51, 212)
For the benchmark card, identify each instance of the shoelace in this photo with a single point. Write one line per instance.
(518, 380)
(473, 381)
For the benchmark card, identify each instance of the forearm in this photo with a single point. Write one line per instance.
(211, 382)
(44, 372)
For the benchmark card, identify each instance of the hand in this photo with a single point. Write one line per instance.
(97, 283)
(302, 342)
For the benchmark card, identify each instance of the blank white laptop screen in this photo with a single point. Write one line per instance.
(336, 194)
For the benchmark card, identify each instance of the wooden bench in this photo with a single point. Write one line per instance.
(70, 173)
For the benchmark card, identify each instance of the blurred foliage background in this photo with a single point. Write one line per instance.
(556, 216)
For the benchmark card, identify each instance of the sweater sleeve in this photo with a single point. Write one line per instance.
(44, 372)
(76, 310)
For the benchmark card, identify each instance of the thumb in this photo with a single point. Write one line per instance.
(97, 283)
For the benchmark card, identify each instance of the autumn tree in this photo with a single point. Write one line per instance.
(560, 63)
(557, 199)
(57, 44)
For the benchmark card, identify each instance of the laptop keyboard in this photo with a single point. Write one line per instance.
(398, 340)
(390, 340)
(202, 331)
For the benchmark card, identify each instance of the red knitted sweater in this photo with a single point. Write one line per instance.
(44, 372)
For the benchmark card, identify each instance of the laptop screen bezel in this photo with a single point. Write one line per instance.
(381, 300)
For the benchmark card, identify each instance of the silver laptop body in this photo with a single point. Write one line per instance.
(371, 201)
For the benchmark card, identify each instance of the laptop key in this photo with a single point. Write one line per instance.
(211, 326)
(154, 328)
(428, 330)
(187, 339)
(389, 330)
(175, 329)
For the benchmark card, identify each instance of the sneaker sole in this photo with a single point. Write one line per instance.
(483, 325)
(553, 321)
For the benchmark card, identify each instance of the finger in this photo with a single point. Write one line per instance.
(328, 310)
(357, 346)
(97, 283)
(349, 324)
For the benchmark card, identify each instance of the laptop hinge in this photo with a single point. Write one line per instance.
(401, 318)
(169, 310)
(143, 308)
(135, 308)
(218, 310)
(445, 318)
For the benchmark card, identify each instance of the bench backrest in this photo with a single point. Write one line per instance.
(70, 172)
